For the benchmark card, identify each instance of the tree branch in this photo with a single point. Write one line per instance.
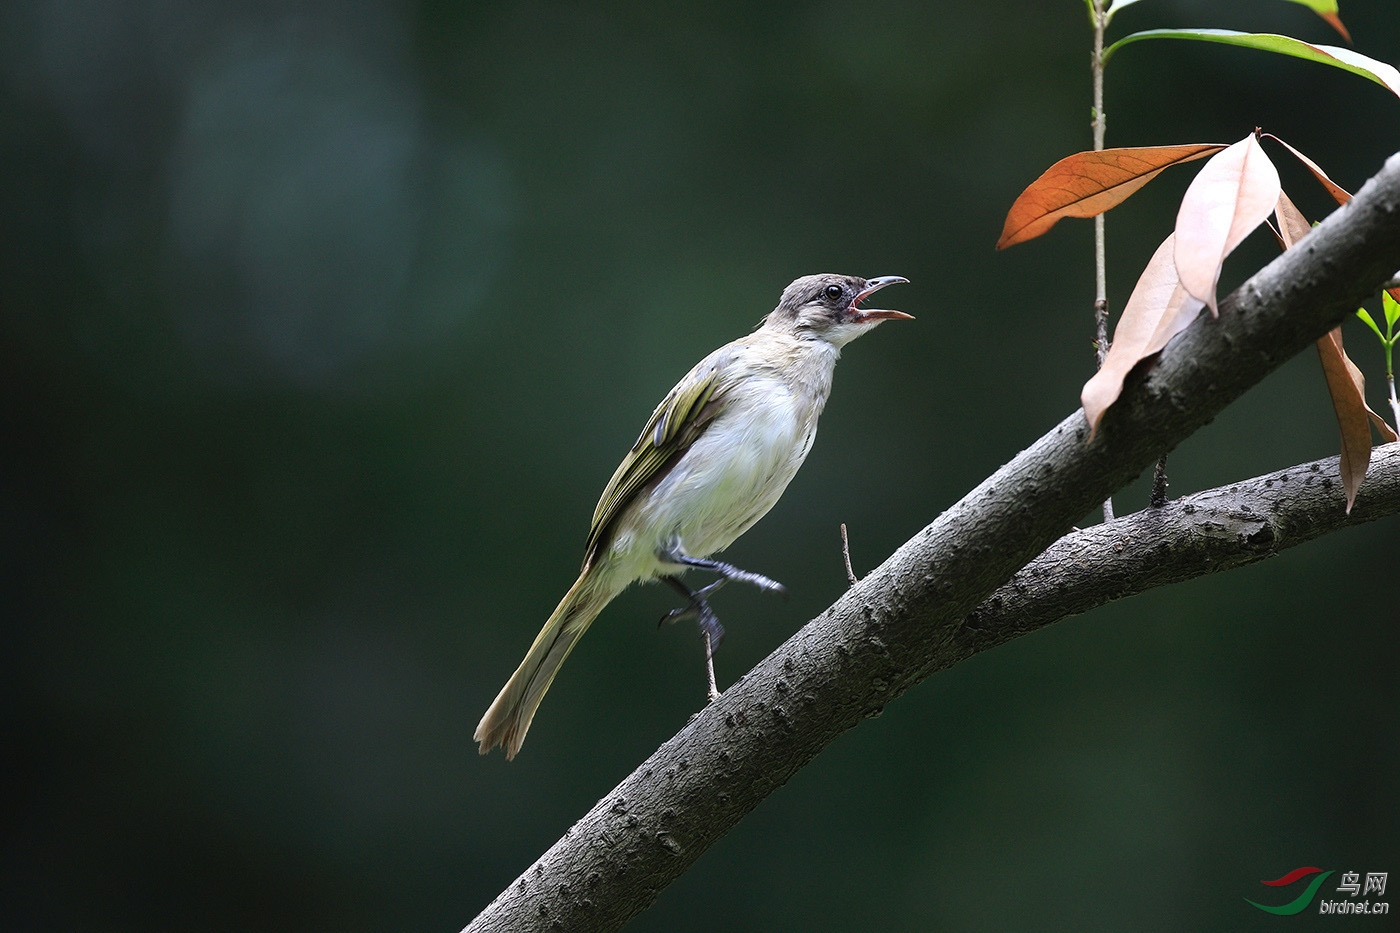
(906, 618)
(1219, 529)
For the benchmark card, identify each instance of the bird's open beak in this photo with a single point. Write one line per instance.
(860, 315)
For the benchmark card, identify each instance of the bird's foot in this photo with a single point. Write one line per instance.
(710, 629)
(698, 608)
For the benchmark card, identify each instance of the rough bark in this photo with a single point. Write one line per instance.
(906, 618)
(1219, 529)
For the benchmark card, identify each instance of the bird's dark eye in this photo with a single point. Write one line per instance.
(833, 292)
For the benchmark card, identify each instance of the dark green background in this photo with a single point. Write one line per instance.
(324, 325)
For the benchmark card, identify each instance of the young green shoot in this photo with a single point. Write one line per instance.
(1388, 340)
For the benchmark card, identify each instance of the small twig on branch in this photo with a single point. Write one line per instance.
(1101, 341)
(1159, 484)
(846, 555)
(1101, 351)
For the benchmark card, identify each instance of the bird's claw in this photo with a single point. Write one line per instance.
(710, 629)
(700, 611)
(675, 615)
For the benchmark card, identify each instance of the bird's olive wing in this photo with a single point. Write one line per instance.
(681, 417)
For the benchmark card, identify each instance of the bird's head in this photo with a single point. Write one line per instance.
(827, 307)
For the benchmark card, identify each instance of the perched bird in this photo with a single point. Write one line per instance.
(714, 458)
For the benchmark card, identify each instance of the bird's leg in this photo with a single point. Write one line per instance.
(710, 628)
(675, 555)
(709, 622)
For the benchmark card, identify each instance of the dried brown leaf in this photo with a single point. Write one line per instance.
(1234, 193)
(1345, 383)
(1348, 389)
(1338, 193)
(1383, 427)
(1336, 22)
(1158, 310)
(1089, 183)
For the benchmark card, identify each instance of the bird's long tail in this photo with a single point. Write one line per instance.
(508, 719)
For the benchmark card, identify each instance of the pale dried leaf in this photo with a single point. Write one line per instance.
(1158, 310)
(1292, 225)
(1234, 193)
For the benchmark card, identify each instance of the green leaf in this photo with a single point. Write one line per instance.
(1119, 4)
(1381, 73)
(1327, 9)
(1392, 310)
(1370, 322)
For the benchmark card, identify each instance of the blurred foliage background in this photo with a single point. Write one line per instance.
(324, 326)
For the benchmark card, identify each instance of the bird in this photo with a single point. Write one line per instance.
(714, 457)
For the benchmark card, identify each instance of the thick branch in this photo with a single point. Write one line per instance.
(905, 619)
(1219, 529)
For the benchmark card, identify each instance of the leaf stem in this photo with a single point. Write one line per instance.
(1394, 402)
(1391, 315)
(1099, 125)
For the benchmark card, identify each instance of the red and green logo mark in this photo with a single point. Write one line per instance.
(1301, 902)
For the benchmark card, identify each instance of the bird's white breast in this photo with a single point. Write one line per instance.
(737, 469)
(733, 473)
